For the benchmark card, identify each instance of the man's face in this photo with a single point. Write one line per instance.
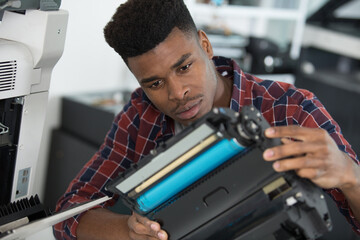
(178, 76)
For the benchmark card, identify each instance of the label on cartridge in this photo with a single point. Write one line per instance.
(188, 174)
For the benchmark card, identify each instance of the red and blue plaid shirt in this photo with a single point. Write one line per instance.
(140, 127)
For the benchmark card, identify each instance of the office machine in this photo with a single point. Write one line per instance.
(32, 36)
(211, 182)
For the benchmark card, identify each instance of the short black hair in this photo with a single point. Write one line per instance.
(140, 25)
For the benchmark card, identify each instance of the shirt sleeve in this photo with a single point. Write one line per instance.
(312, 113)
(115, 155)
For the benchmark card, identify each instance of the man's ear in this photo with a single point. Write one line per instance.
(205, 44)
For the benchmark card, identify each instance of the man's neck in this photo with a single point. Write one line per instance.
(224, 92)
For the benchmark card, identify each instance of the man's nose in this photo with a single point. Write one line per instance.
(177, 89)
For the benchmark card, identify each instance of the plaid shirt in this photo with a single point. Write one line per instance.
(140, 127)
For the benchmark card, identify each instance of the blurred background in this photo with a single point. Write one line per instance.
(314, 44)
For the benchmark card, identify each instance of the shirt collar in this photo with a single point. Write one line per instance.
(229, 68)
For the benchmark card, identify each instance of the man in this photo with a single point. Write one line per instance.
(180, 81)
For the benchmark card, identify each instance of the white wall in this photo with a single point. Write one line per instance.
(88, 64)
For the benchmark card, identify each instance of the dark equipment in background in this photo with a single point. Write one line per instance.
(85, 120)
(267, 58)
(334, 77)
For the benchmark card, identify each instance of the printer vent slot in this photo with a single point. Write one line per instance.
(8, 71)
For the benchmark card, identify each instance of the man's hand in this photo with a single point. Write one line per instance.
(142, 228)
(313, 154)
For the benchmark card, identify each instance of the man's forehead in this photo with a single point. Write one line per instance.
(172, 51)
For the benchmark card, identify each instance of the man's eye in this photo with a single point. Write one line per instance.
(156, 84)
(186, 67)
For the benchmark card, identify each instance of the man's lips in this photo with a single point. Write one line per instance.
(189, 111)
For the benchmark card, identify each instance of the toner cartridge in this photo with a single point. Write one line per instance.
(211, 182)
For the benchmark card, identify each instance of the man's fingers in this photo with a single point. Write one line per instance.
(304, 167)
(143, 228)
(162, 235)
(134, 235)
(297, 163)
(136, 226)
(295, 132)
(313, 154)
(286, 140)
(143, 220)
(154, 226)
(310, 173)
(291, 149)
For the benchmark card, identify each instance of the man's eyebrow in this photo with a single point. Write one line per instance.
(181, 60)
(147, 80)
(177, 64)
